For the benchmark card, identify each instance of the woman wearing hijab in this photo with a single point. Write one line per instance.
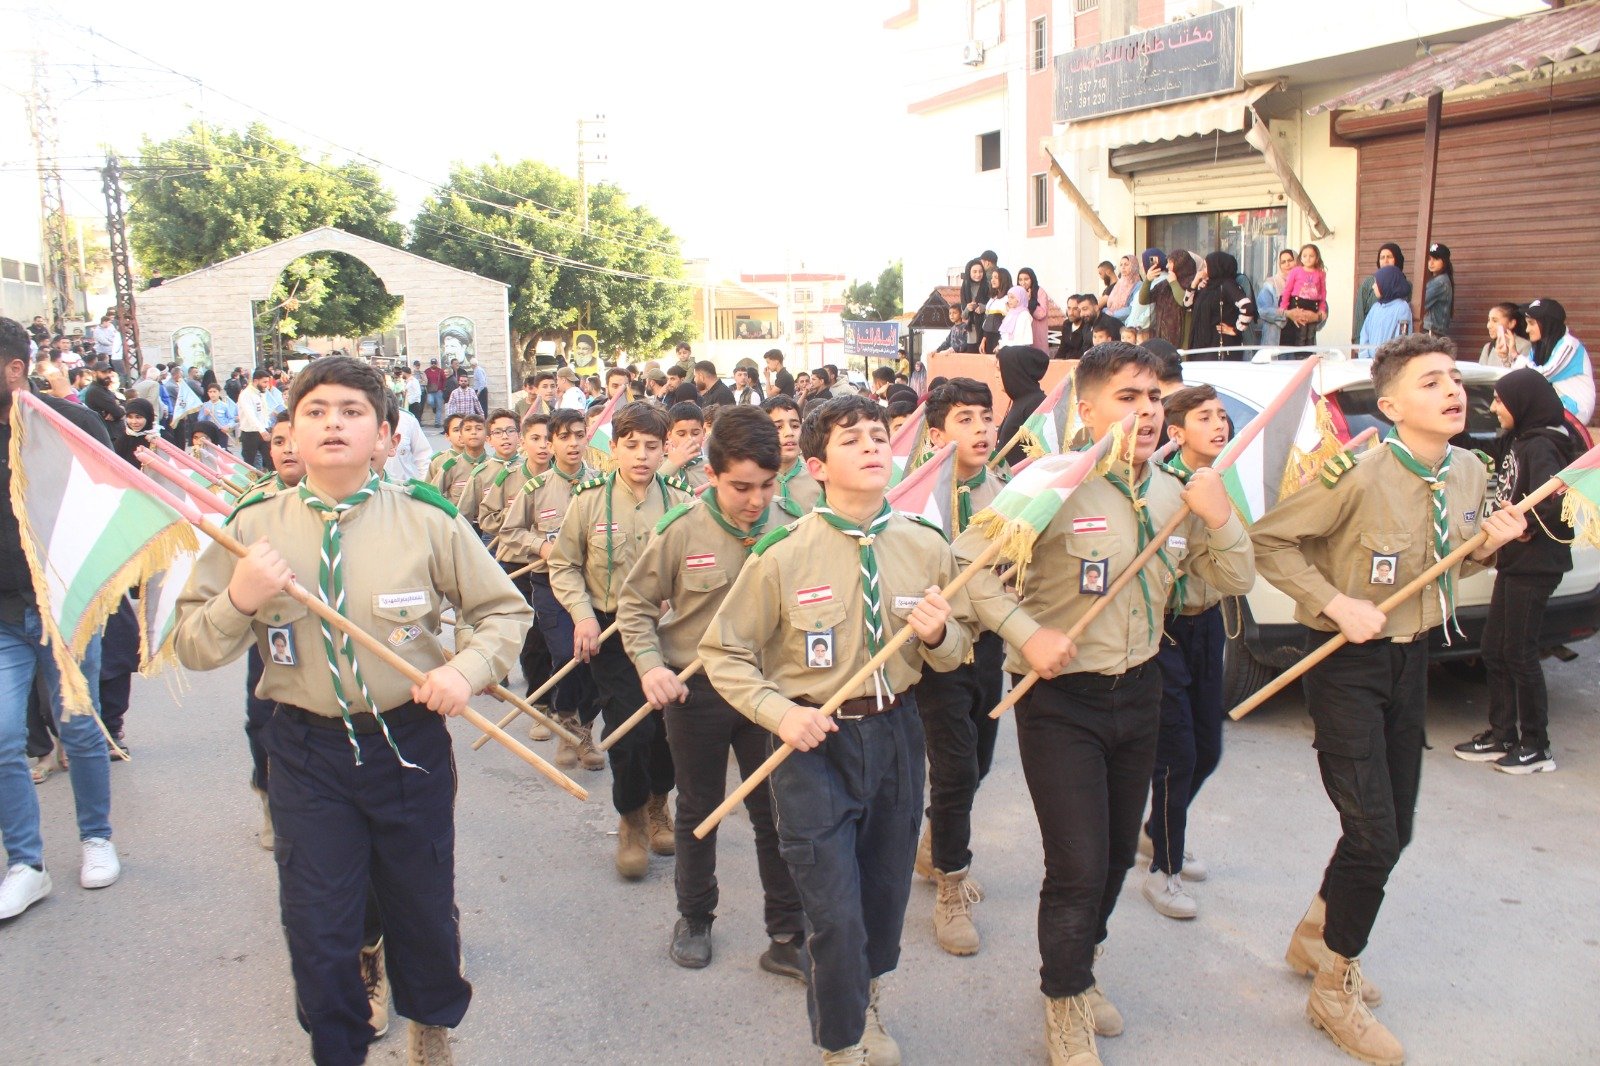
(1508, 337)
(1222, 310)
(974, 294)
(994, 309)
(1016, 327)
(1117, 301)
(1439, 295)
(1152, 271)
(1021, 371)
(1038, 308)
(1560, 357)
(1272, 318)
(1389, 255)
(1169, 311)
(1535, 444)
(1390, 316)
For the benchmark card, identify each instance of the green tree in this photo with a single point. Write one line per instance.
(532, 241)
(866, 301)
(212, 194)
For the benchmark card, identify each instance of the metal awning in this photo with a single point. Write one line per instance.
(1525, 45)
(1226, 113)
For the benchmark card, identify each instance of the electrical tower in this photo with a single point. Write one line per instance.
(122, 270)
(591, 152)
(52, 204)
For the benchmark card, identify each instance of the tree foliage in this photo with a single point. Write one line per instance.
(866, 301)
(211, 194)
(538, 212)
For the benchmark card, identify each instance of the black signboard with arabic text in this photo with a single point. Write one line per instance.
(1179, 61)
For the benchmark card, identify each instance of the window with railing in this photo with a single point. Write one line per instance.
(1040, 45)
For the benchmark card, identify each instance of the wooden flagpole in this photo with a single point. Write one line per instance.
(524, 706)
(644, 712)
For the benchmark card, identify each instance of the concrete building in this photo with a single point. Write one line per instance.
(1052, 132)
(815, 300)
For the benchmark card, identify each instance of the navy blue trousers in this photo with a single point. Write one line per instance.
(575, 693)
(339, 825)
(955, 710)
(849, 812)
(1189, 746)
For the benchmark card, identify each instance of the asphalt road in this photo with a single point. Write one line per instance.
(1488, 949)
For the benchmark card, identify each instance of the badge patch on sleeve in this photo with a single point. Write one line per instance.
(814, 595)
(700, 561)
(1091, 524)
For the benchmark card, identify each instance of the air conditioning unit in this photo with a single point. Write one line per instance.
(972, 53)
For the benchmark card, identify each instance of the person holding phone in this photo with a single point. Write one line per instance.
(1508, 337)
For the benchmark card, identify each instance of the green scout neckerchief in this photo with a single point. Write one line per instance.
(1147, 533)
(330, 584)
(1435, 480)
(1180, 470)
(786, 498)
(964, 490)
(871, 588)
(611, 484)
(746, 540)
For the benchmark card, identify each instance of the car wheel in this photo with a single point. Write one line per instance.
(1242, 673)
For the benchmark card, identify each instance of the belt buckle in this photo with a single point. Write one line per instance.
(843, 717)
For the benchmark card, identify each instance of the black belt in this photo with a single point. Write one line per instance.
(364, 722)
(863, 707)
(1096, 682)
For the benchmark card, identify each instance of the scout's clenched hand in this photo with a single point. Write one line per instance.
(1207, 498)
(445, 689)
(928, 617)
(803, 728)
(661, 687)
(260, 574)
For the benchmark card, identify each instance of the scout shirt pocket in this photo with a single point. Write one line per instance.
(1378, 567)
(1092, 562)
(282, 612)
(702, 580)
(809, 622)
(401, 618)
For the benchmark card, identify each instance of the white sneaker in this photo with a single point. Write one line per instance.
(23, 887)
(1193, 868)
(1168, 896)
(101, 867)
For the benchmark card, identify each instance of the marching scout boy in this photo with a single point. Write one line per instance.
(847, 577)
(1189, 744)
(505, 444)
(605, 528)
(691, 562)
(534, 459)
(1087, 731)
(353, 794)
(1407, 504)
(797, 490)
(454, 473)
(527, 536)
(955, 706)
(684, 455)
(452, 437)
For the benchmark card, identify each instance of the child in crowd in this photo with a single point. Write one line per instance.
(685, 449)
(1305, 298)
(797, 490)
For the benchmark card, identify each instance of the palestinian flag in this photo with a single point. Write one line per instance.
(909, 447)
(929, 491)
(238, 474)
(599, 453)
(185, 403)
(1031, 499)
(193, 470)
(91, 526)
(1050, 428)
(1269, 458)
(1580, 504)
(158, 613)
(177, 485)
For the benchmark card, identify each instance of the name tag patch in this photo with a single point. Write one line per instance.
(1177, 544)
(404, 635)
(702, 561)
(815, 594)
(1092, 524)
(390, 600)
(906, 603)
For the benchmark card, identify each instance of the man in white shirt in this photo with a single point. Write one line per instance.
(412, 453)
(107, 340)
(255, 416)
(412, 400)
(571, 396)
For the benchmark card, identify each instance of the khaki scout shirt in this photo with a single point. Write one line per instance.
(691, 561)
(693, 473)
(808, 583)
(1324, 540)
(454, 474)
(533, 516)
(437, 461)
(797, 491)
(583, 575)
(471, 502)
(1198, 594)
(394, 595)
(496, 491)
(1096, 531)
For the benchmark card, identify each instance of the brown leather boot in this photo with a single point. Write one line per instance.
(924, 864)
(633, 832)
(428, 1045)
(591, 757)
(376, 977)
(566, 752)
(881, 1047)
(1336, 1007)
(953, 926)
(1306, 949)
(1069, 1032)
(660, 819)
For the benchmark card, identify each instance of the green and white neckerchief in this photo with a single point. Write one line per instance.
(1180, 470)
(964, 490)
(330, 584)
(1147, 533)
(611, 527)
(786, 498)
(871, 584)
(747, 540)
(1439, 521)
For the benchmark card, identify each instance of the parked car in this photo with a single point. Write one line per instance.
(1263, 636)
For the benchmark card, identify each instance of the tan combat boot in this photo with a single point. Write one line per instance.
(880, 1046)
(662, 841)
(1107, 1018)
(376, 977)
(952, 912)
(591, 757)
(854, 1055)
(1336, 1007)
(538, 730)
(924, 865)
(267, 837)
(428, 1045)
(633, 831)
(1069, 1031)
(1306, 949)
(566, 753)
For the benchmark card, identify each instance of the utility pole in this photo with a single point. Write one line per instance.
(591, 152)
(52, 204)
(122, 269)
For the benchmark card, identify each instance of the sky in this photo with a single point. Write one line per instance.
(765, 135)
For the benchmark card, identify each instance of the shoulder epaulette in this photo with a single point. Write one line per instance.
(1336, 467)
(772, 538)
(500, 478)
(535, 482)
(922, 521)
(448, 463)
(421, 490)
(1485, 458)
(1175, 472)
(673, 515)
(676, 482)
(592, 483)
(249, 499)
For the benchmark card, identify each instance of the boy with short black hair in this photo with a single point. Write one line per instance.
(697, 551)
(452, 437)
(849, 799)
(797, 490)
(685, 447)
(504, 446)
(898, 412)
(348, 730)
(1409, 503)
(1087, 731)
(606, 527)
(457, 470)
(1189, 744)
(955, 706)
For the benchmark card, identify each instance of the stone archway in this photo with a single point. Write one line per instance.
(219, 298)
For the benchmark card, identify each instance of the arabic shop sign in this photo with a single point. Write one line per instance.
(880, 339)
(1179, 61)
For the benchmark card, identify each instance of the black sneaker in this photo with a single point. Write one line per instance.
(787, 958)
(1527, 761)
(691, 943)
(1483, 748)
